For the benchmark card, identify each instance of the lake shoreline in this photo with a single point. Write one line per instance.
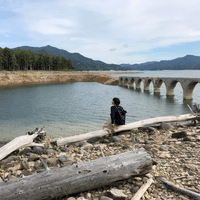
(22, 78)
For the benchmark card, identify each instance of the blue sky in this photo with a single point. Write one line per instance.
(113, 31)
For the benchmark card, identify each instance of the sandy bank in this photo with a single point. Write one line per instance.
(15, 78)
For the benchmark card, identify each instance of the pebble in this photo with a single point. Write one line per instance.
(173, 158)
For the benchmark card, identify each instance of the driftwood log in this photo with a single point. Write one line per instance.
(147, 122)
(78, 177)
(142, 190)
(20, 142)
(189, 193)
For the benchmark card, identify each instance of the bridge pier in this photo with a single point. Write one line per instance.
(188, 87)
(131, 82)
(125, 82)
(157, 84)
(138, 84)
(147, 85)
(170, 85)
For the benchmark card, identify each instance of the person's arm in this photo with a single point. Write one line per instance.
(113, 114)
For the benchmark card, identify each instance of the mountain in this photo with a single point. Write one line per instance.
(83, 63)
(78, 60)
(187, 62)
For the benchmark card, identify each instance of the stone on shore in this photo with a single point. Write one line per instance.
(176, 158)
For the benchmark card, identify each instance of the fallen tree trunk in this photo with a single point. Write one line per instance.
(147, 122)
(190, 193)
(19, 142)
(78, 178)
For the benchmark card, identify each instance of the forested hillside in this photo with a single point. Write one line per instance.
(187, 62)
(79, 61)
(20, 59)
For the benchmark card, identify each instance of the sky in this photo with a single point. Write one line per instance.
(113, 31)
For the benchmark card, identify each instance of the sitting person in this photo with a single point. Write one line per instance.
(117, 114)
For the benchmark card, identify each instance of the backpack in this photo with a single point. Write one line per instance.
(122, 114)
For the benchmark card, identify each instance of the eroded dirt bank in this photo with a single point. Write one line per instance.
(15, 78)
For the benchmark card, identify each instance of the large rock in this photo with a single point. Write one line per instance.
(93, 140)
(87, 146)
(39, 150)
(82, 143)
(66, 160)
(116, 194)
(181, 134)
(64, 149)
(165, 126)
(26, 151)
(38, 165)
(50, 151)
(116, 139)
(52, 161)
(32, 157)
(8, 160)
(26, 173)
(134, 189)
(99, 146)
(25, 165)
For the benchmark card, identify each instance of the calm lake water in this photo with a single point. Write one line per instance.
(76, 108)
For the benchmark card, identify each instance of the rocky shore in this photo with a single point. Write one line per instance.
(18, 78)
(174, 149)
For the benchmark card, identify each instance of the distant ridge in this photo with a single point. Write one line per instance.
(78, 60)
(187, 62)
(190, 62)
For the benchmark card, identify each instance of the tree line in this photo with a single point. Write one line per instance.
(27, 60)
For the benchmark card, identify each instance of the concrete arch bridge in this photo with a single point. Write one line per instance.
(188, 84)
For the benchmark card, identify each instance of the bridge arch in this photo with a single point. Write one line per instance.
(187, 84)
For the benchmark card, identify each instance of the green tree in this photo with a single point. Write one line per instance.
(58, 62)
(13, 62)
(27, 60)
(48, 62)
(9, 59)
(41, 61)
(70, 64)
(1, 58)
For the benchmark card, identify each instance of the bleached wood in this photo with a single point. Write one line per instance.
(78, 178)
(19, 142)
(147, 122)
(142, 190)
(190, 193)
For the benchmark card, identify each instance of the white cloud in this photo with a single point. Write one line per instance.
(52, 26)
(105, 30)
